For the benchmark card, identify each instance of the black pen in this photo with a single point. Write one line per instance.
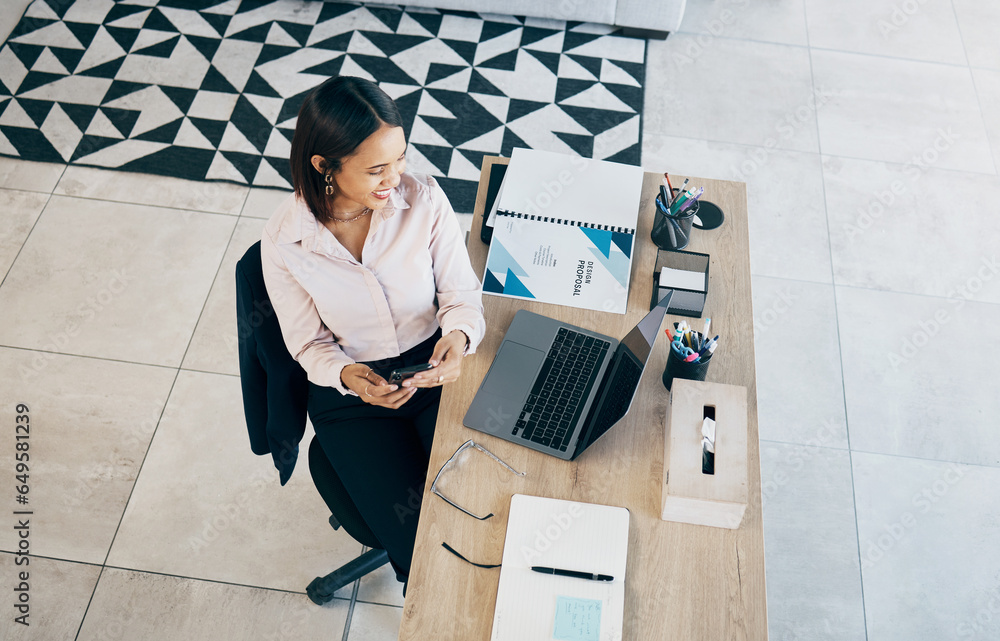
(573, 573)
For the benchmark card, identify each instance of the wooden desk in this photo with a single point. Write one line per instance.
(684, 582)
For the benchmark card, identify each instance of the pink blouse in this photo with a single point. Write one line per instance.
(335, 311)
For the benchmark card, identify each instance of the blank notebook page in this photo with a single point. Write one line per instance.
(567, 535)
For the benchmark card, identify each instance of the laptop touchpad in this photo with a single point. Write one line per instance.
(513, 371)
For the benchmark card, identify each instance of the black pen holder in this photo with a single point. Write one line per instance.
(678, 368)
(673, 232)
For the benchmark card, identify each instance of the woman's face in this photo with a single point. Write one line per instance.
(366, 177)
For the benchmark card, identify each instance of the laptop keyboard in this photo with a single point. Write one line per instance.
(556, 399)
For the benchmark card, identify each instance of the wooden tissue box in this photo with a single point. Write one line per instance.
(689, 495)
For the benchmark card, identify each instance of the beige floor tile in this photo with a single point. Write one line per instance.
(915, 30)
(751, 93)
(780, 22)
(90, 423)
(214, 347)
(900, 111)
(134, 605)
(813, 572)
(375, 622)
(988, 89)
(29, 176)
(381, 587)
(205, 506)
(261, 203)
(18, 212)
(58, 594)
(979, 22)
(930, 567)
(146, 189)
(919, 375)
(800, 391)
(887, 220)
(112, 280)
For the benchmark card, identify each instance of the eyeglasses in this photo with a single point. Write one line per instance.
(464, 446)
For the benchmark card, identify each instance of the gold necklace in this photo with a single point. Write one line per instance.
(364, 212)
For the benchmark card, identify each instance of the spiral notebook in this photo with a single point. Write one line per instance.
(564, 231)
(561, 534)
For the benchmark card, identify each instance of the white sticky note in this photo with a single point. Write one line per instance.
(674, 278)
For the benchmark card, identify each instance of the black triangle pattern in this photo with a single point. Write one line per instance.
(69, 58)
(163, 49)
(202, 88)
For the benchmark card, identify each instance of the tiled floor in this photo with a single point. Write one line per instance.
(869, 135)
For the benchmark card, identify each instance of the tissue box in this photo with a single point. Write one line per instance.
(686, 275)
(689, 495)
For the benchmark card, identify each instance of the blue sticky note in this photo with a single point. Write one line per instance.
(577, 619)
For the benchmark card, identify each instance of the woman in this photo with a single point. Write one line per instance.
(367, 272)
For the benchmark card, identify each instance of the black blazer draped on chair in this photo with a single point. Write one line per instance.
(275, 387)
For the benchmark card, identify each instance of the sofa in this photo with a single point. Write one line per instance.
(644, 18)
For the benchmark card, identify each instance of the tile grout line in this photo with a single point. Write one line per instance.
(138, 472)
(824, 49)
(218, 270)
(186, 210)
(812, 153)
(89, 602)
(874, 289)
(840, 348)
(908, 457)
(975, 88)
(354, 601)
(104, 563)
(204, 580)
(48, 199)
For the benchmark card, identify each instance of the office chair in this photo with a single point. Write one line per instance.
(275, 392)
(344, 513)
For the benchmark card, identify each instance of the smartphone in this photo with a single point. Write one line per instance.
(403, 373)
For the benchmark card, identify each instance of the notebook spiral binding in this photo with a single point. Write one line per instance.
(563, 221)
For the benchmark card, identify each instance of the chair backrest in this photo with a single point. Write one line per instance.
(275, 392)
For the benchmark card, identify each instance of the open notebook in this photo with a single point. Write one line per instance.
(567, 535)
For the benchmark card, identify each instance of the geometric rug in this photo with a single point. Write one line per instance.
(210, 89)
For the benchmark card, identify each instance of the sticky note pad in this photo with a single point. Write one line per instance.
(577, 619)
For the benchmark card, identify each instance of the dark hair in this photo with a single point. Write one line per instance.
(334, 119)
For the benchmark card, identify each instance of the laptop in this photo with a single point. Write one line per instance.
(556, 388)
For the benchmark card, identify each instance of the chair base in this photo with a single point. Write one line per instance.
(320, 590)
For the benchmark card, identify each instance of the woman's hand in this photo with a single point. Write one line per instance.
(372, 388)
(446, 359)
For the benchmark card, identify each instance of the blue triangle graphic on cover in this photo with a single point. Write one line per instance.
(491, 284)
(600, 237)
(616, 264)
(514, 286)
(623, 241)
(501, 261)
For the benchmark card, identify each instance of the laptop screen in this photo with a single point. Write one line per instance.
(617, 390)
(640, 340)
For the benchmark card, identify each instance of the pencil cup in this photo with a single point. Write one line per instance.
(678, 368)
(673, 232)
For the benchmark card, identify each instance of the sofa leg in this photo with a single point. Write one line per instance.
(646, 34)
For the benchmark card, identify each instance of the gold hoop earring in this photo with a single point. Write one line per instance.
(329, 184)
